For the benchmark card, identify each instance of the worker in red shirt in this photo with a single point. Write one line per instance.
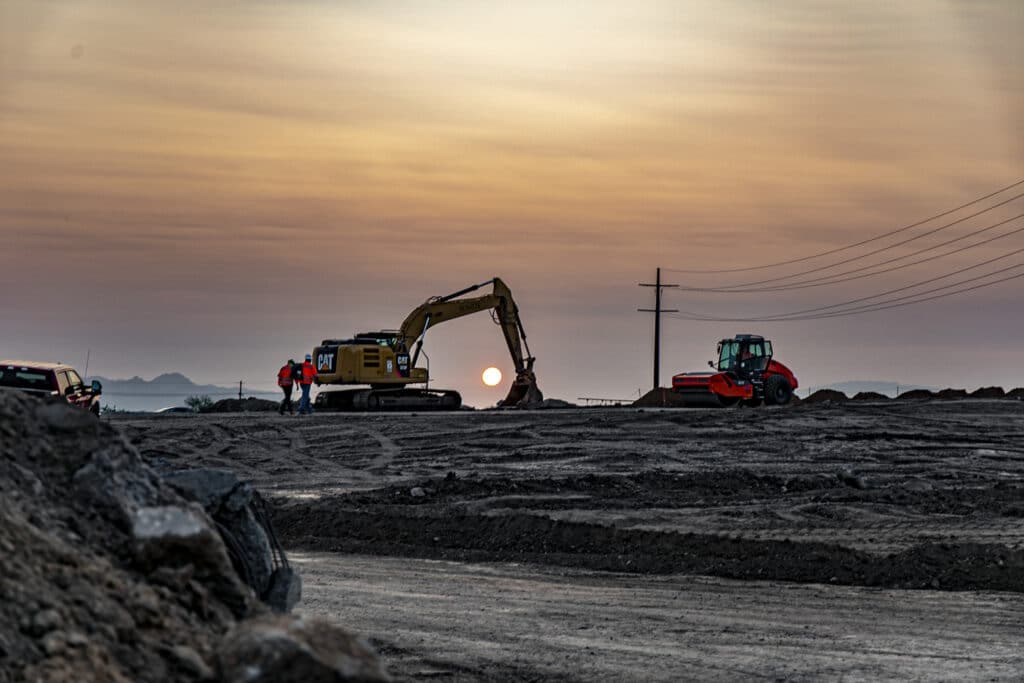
(308, 376)
(284, 380)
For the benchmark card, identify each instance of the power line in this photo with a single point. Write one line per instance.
(916, 285)
(839, 277)
(869, 308)
(880, 307)
(856, 244)
(876, 251)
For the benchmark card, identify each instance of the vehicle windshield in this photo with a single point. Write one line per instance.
(743, 355)
(753, 357)
(727, 355)
(27, 379)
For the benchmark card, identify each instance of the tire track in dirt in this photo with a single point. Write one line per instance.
(332, 460)
(941, 479)
(389, 450)
(528, 623)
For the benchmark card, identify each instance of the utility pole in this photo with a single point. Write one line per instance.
(657, 311)
(239, 390)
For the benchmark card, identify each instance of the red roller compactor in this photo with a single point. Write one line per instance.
(746, 372)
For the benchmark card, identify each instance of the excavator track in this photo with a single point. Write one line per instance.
(372, 400)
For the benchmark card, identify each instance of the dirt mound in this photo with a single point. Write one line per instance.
(655, 488)
(453, 534)
(915, 394)
(659, 398)
(822, 395)
(106, 572)
(553, 404)
(245, 405)
(870, 396)
(74, 596)
(988, 392)
(951, 394)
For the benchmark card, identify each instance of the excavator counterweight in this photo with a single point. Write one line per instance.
(384, 362)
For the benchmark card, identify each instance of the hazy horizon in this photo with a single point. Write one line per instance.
(151, 394)
(213, 189)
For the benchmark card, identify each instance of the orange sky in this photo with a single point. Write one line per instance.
(213, 187)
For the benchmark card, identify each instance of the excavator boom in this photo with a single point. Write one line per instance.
(387, 360)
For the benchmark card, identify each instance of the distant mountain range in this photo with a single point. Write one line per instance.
(172, 388)
(851, 388)
(169, 389)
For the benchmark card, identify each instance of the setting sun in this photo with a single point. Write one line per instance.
(492, 377)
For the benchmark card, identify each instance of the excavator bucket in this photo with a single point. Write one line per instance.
(524, 392)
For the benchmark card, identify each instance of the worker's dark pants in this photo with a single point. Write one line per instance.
(286, 404)
(305, 407)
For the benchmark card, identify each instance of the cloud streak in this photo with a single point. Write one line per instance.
(332, 160)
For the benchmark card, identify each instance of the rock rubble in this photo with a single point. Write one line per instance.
(110, 572)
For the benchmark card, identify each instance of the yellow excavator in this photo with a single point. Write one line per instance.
(386, 360)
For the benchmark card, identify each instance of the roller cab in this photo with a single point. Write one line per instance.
(745, 372)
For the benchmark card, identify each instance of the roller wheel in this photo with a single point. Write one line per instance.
(753, 402)
(728, 401)
(777, 391)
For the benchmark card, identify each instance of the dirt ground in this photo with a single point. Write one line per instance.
(858, 540)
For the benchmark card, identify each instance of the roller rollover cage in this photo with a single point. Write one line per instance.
(746, 373)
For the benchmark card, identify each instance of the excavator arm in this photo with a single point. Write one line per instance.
(524, 390)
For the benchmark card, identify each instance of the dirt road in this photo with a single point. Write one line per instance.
(816, 515)
(502, 622)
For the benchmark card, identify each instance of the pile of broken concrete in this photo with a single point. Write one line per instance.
(112, 571)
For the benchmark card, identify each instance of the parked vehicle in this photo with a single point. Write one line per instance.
(51, 379)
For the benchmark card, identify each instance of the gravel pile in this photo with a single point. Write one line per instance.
(822, 395)
(951, 394)
(244, 405)
(870, 396)
(915, 395)
(660, 398)
(108, 573)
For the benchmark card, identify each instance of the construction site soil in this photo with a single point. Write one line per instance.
(904, 520)
(111, 572)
